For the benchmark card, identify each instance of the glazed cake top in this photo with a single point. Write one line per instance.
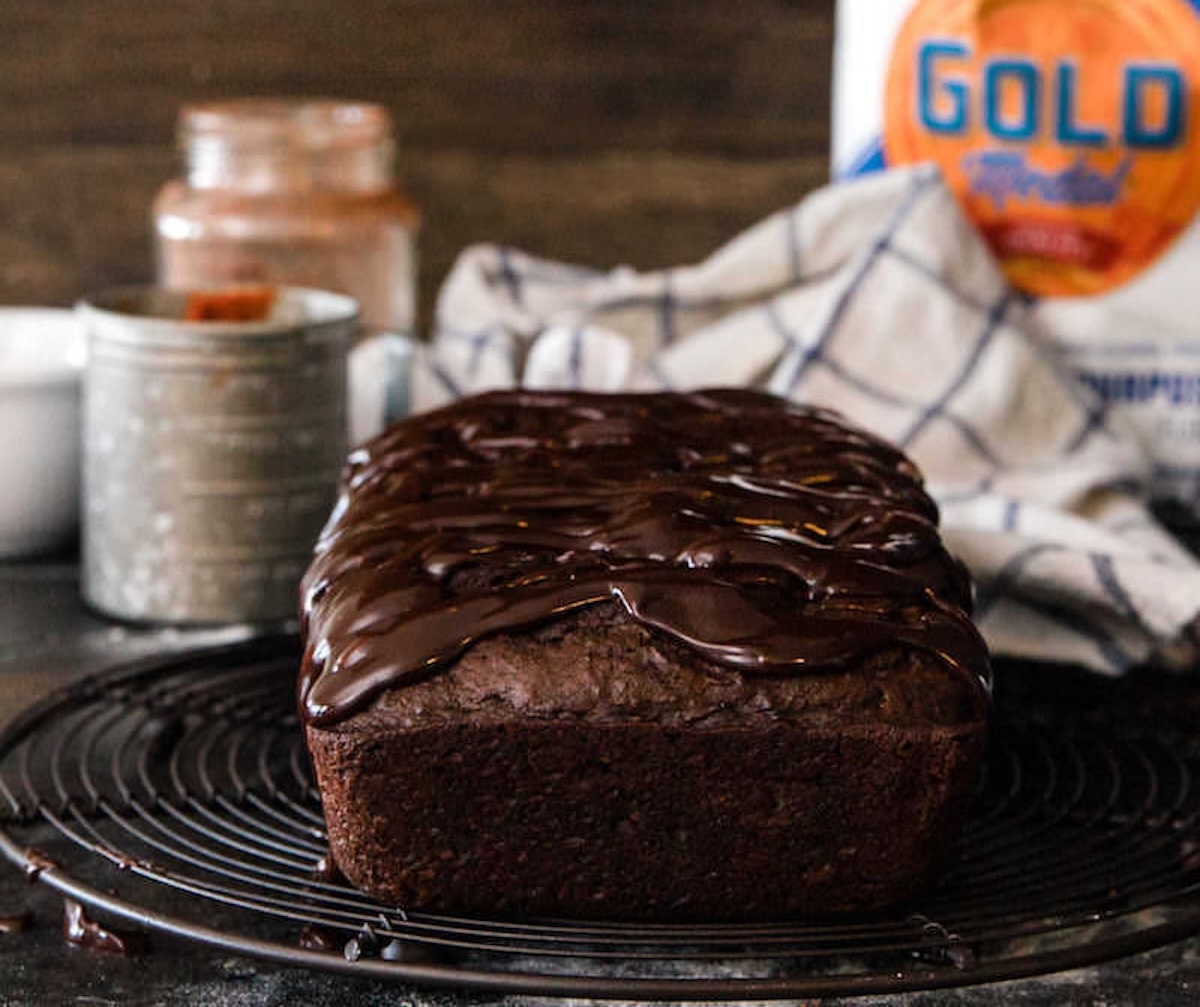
(765, 536)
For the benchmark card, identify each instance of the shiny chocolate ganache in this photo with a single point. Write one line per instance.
(765, 536)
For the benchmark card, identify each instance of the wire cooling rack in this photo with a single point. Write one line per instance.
(182, 784)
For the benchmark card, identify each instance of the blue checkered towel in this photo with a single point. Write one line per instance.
(875, 298)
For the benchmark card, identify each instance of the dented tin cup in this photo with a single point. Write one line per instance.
(211, 453)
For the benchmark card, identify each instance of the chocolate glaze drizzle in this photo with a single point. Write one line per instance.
(766, 536)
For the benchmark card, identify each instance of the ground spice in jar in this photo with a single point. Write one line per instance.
(291, 192)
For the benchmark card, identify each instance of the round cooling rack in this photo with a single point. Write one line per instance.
(175, 794)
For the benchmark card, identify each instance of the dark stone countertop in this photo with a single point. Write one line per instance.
(48, 638)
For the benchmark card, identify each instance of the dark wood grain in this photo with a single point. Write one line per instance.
(604, 132)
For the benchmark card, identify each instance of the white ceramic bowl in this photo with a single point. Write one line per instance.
(42, 352)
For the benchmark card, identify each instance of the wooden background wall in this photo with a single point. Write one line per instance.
(599, 131)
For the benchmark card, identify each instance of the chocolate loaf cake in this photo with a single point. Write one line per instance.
(657, 656)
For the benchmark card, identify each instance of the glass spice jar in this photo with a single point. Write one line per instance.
(298, 192)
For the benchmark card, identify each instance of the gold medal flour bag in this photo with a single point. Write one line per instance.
(1067, 129)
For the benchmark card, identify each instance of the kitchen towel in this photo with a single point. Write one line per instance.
(877, 299)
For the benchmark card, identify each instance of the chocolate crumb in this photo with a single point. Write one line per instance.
(16, 924)
(315, 938)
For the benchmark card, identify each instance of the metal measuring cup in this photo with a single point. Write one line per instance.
(211, 453)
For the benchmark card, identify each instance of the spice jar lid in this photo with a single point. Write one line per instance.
(303, 123)
(289, 142)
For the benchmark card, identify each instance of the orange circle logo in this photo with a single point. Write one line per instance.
(1065, 128)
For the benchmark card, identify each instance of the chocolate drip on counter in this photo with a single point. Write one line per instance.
(80, 930)
(36, 862)
(765, 536)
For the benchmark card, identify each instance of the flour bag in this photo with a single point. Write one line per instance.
(1068, 131)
